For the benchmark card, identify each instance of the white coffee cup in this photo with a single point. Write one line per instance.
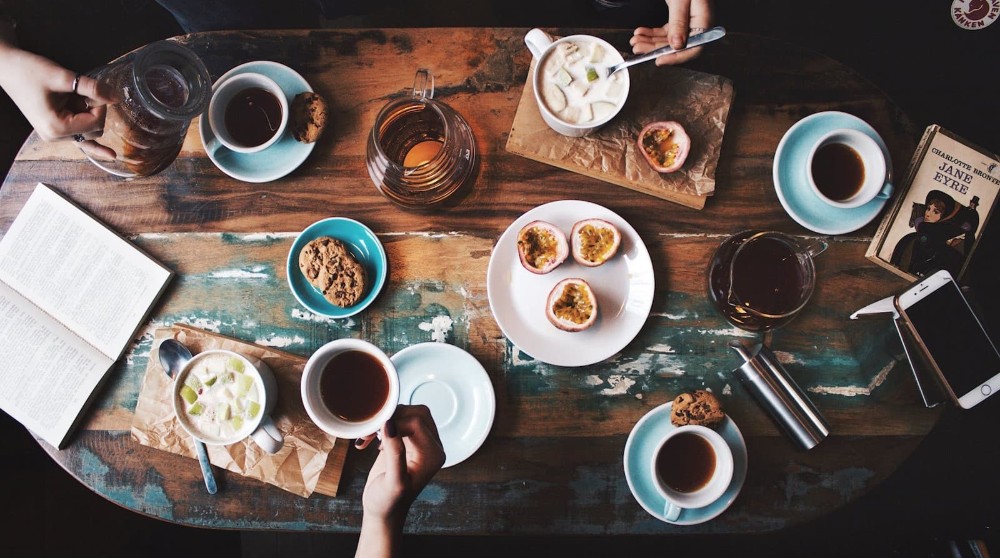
(713, 476)
(260, 426)
(843, 188)
(333, 421)
(542, 47)
(223, 93)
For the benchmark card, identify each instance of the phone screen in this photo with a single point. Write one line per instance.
(954, 338)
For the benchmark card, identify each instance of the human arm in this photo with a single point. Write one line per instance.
(410, 455)
(43, 91)
(685, 16)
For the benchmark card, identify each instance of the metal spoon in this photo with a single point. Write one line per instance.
(712, 34)
(173, 356)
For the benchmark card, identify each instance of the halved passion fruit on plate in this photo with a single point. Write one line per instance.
(572, 305)
(594, 241)
(541, 247)
(665, 145)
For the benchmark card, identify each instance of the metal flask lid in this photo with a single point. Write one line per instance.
(781, 397)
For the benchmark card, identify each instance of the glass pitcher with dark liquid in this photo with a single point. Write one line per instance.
(760, 280)
(420, 151)
(159, 88)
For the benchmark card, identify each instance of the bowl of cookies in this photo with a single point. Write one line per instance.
(336, 267)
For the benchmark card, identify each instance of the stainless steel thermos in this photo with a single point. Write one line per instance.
(780, 396)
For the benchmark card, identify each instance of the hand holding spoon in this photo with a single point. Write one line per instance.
(712, 34)
(173, 356)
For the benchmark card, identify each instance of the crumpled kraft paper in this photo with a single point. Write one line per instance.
(699, 101)
(310, 460)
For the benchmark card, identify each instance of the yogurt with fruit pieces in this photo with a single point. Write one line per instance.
(575, 85)
(221, 401)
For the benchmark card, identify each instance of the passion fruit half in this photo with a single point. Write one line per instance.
(665, 145)
(541, 247)
(594, 241)
(572, 305)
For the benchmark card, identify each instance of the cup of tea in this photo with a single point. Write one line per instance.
(221, 397)
(248, 113)
(350, 388)
(573, 92)
(693, 467)
(846, 168)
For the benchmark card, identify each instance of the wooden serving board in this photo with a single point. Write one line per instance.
(699, 101)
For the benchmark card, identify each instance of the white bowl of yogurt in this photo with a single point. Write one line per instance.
(220, 398)
(574, 93)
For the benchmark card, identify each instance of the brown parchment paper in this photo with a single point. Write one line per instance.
(699, 101)
(310, 460)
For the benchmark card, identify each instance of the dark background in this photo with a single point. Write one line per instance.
(936, 72)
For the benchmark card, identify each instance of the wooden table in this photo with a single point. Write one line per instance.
(553, 461)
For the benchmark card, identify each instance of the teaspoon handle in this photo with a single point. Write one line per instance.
(206, 467)
(712, 34)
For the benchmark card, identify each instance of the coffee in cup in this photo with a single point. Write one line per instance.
(248, 113)
(349, 388)
(693, 467)
(846, 168)
(221, 398)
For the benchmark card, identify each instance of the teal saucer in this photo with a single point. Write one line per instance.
(639, 448)
(282, 157)
(790, 161)
(364, 246)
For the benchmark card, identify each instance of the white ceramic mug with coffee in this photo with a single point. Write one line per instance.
(578, 116)
(221, 397)
(350, 388)
(692, 467)
(248, 113)
(846, 168)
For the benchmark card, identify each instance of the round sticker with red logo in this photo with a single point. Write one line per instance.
(974, 14)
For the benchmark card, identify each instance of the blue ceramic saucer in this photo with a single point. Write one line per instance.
(639, 449)
(365, 247)
(281, 158)
(790, 182)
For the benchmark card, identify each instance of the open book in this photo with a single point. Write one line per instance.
(73, 293)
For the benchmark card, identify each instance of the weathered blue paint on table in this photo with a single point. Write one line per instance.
(553, 461)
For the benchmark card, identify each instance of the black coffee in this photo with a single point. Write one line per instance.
(253, 116)
(354, 386)
(686, 462)
(838, 171)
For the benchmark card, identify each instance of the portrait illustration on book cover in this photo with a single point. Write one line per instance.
(943, 208)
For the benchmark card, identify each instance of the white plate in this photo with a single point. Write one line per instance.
(456, 389)
(282, 157)
(639, 448)
(624, 287)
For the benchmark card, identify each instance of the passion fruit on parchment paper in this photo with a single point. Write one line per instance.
(665, 145)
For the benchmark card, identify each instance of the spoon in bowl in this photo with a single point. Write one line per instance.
(173, 356)
(712, 34)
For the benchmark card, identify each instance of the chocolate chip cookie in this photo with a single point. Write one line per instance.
(333, 270)
(308, 116)
(700, 407)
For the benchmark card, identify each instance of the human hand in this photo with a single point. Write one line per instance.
(410, 455)
(686, 16)
(43, 91)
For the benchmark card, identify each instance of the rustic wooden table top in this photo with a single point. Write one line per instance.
(552, 463)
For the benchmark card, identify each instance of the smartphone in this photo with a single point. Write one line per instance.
(947, 330)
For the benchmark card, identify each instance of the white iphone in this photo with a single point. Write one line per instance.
(947, 329)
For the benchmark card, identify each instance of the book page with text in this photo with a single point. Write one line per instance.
(80, 272)
(48, 375)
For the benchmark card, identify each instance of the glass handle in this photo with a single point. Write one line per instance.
(816, 248)
(421, 89)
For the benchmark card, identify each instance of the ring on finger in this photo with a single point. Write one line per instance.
(78, 138)
(76, 82)
(696, 30)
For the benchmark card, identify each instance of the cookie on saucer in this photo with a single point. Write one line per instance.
(701, 408)
(308, 116)
(330, 267)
